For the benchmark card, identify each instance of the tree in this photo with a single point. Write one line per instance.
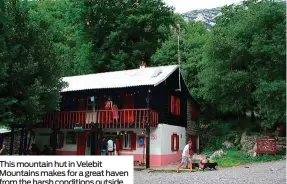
(244, 62)
(193, 37)
(33, 74)
(5, 100)
(73, 52)
(123, 33)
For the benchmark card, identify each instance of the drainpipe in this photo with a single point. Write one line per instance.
(147, 146)
(25, 141)
(21, 142)
(94, 138)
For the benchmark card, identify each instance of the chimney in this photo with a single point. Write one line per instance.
(143, 65)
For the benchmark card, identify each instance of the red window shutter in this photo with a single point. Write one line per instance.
(177, 142)
(177, 106)
(172, 142)
(133, 141)
(172, 104)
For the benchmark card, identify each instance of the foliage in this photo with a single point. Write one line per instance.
(243, 69)
(123, 33)
(73, 52)
(5, 101)
(234, 157)
(32, 79)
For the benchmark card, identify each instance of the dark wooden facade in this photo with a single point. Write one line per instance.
(137, 99)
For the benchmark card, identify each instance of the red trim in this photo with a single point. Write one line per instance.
(68, 119)
(174, 142)
(133, 140)
(177, 142)
(175, 105)
(81, 143)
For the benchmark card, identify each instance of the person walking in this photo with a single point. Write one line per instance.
(186, 157)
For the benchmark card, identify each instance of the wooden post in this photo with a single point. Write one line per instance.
(12, 140)
(54, 138)
(21, 142)
(94, 138)
(147, 146)
(30, 139)
(25, 141)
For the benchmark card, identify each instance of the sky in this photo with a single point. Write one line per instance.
(182, 6)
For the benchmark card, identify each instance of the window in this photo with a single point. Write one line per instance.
(128, 141)
(175, 105)
(91, 105)
(60, 140)
(71, 138)
(174, 142)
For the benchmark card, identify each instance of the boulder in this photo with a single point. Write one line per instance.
(218, 153)
(228, 144)
(247, 142)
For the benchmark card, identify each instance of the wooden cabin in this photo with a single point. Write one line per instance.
(154, 96)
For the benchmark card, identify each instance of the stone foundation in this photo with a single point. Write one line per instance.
(17, 137)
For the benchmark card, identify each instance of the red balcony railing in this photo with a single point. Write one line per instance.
(127, 118)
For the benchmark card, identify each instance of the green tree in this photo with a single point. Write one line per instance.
(244, 62)
(193, 37)
(73, 53)
(32, 70)
(123, 33)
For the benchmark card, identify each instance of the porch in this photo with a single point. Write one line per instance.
(126, 118)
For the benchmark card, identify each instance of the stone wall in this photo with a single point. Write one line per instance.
(191, 127)
(17, 137)
(248, 142)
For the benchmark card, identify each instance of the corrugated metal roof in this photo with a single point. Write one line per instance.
(120, 79)
(4, 130)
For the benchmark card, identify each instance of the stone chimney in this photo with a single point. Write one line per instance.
(143, 65)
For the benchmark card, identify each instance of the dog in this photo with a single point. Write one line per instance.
(211, 166)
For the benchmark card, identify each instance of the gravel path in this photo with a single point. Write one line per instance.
(265, 173)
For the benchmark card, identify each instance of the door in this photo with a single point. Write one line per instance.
(195, 143)
(81, 143)
(88, 147)
(128, 103)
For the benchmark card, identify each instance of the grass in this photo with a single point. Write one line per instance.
(236, 157)
(233, 158)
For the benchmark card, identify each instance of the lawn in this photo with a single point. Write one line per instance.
(236, 157)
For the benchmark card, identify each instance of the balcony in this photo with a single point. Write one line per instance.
(127, 118)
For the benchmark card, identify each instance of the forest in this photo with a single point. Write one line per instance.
(236, 70)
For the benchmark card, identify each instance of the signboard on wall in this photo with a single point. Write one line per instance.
(266, 145)
(153, 137)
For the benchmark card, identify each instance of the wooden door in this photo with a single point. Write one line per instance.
(128, 103)
(81, 143)
(195, 143)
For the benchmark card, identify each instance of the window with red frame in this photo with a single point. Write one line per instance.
(128, 141)
(175, 105)
(60, 140)
(174, 142)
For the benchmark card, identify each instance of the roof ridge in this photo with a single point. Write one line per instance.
(119, 71)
